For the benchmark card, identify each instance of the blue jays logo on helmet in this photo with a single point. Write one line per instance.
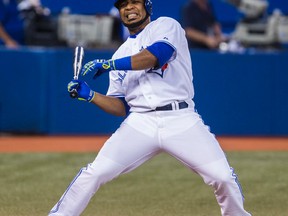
(147, 3)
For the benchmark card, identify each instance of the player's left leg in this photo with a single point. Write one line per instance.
(124, 151)
(199, 150)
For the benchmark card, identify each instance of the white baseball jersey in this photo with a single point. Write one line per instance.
(145, 90)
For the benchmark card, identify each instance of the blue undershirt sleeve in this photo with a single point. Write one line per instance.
(162, 51)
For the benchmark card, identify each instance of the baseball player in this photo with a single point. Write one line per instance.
(151, 80)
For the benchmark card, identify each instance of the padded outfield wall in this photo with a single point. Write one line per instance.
(236, 94)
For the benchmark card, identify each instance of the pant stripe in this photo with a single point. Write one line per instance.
(237, 182)
(67, 190)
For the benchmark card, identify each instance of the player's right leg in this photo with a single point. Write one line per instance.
(124, 151)
(199, 150)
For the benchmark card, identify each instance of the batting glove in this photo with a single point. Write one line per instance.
(84, 91)
(100, 66)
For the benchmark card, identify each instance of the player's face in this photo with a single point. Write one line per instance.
(132, 11)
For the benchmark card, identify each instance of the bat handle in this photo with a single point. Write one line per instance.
(74, 93)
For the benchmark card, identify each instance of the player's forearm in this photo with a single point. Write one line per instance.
(109, 104)
(140, 61)
(143, 60)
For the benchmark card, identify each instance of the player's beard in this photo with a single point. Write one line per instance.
(136, 24)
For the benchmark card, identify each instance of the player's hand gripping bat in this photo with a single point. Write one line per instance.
(78, 57)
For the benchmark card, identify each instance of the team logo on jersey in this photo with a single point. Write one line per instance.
(121, 76)
(159, 71)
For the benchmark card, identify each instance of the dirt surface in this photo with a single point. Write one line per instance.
(94, 143)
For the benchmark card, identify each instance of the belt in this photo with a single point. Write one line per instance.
(173, 106)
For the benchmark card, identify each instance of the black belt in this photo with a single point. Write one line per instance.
(173, 106)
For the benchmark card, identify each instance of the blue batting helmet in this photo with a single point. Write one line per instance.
(147, 3)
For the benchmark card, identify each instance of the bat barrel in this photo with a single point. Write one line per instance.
(77, 64)
(78, 57)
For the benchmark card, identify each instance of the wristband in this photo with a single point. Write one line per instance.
(122, 63)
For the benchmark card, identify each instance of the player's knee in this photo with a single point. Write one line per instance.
(104, 169)
(226, 182)
(90, 178)
(220, 178)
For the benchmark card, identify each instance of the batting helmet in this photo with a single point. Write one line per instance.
(147, 3)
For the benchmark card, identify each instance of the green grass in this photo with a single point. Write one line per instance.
(30, 184)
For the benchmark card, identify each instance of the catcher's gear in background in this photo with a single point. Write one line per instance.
(84, 91)
(147, 3)
(100, 66)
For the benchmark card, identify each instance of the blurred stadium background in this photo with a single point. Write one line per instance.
(237, 93)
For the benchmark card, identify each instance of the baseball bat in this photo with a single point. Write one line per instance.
(77, 64)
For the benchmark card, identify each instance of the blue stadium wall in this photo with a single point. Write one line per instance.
(236, 94)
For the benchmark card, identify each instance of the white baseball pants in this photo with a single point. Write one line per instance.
(181, 134)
